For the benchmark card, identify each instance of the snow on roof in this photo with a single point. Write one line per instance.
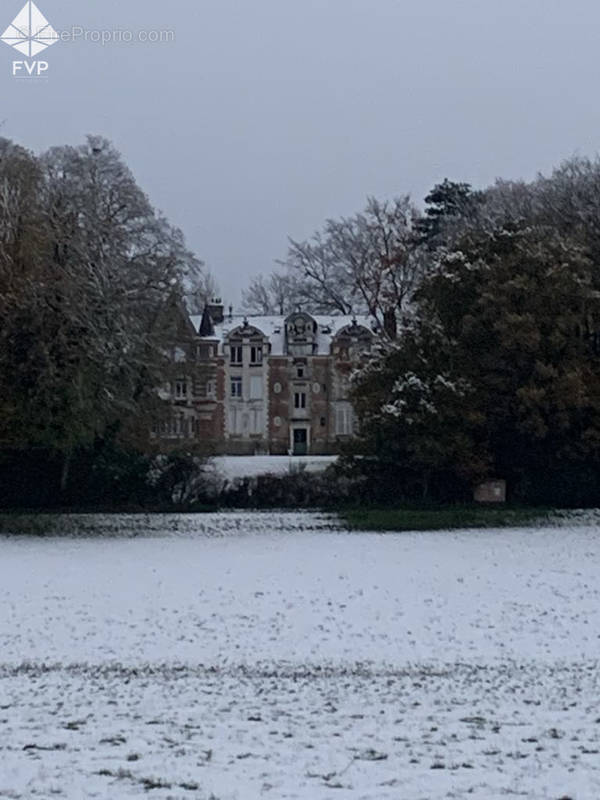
(273, 327)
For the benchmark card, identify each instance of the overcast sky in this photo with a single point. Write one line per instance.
(265, 117)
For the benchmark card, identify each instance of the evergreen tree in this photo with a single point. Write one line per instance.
(449, 206)
(498, 373)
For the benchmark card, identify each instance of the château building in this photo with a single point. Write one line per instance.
(266, 384)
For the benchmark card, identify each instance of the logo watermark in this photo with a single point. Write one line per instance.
(30, 33)
(116, 36)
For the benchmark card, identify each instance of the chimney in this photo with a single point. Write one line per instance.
(216, 310)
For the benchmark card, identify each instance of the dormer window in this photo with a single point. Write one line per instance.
(301, 333)
(204, 352)
(236, 354)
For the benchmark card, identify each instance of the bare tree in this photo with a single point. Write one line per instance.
(370, 262)
(274, 294)
(200, 288)
(256, 299)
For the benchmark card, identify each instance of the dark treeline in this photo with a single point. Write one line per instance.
(496, 368)
(89, 276)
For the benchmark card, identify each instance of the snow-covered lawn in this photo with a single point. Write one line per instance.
(269, 655)
(249, 466)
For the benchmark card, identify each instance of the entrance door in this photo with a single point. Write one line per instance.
(300, 441)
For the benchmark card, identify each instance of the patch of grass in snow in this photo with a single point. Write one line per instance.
(442, 518)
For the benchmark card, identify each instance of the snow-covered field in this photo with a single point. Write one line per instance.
(270, 655)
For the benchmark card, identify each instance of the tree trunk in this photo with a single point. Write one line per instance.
(389, 323)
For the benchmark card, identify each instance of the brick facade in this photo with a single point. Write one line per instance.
(268, 385)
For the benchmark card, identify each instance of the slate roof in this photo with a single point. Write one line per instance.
(273, 327)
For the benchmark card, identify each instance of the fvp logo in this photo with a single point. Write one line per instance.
(30, 33)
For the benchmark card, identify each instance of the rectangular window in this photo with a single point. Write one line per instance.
(237, 420)
(300, 372)
(176, 426)
(344, 420)
(300, 400)
(236, 387)
(256, 387)
(180, 389)
(211, 388)
(257, 422)
(256, 355)
(235, 352)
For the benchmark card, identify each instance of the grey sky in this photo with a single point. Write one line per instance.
(264, 117)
